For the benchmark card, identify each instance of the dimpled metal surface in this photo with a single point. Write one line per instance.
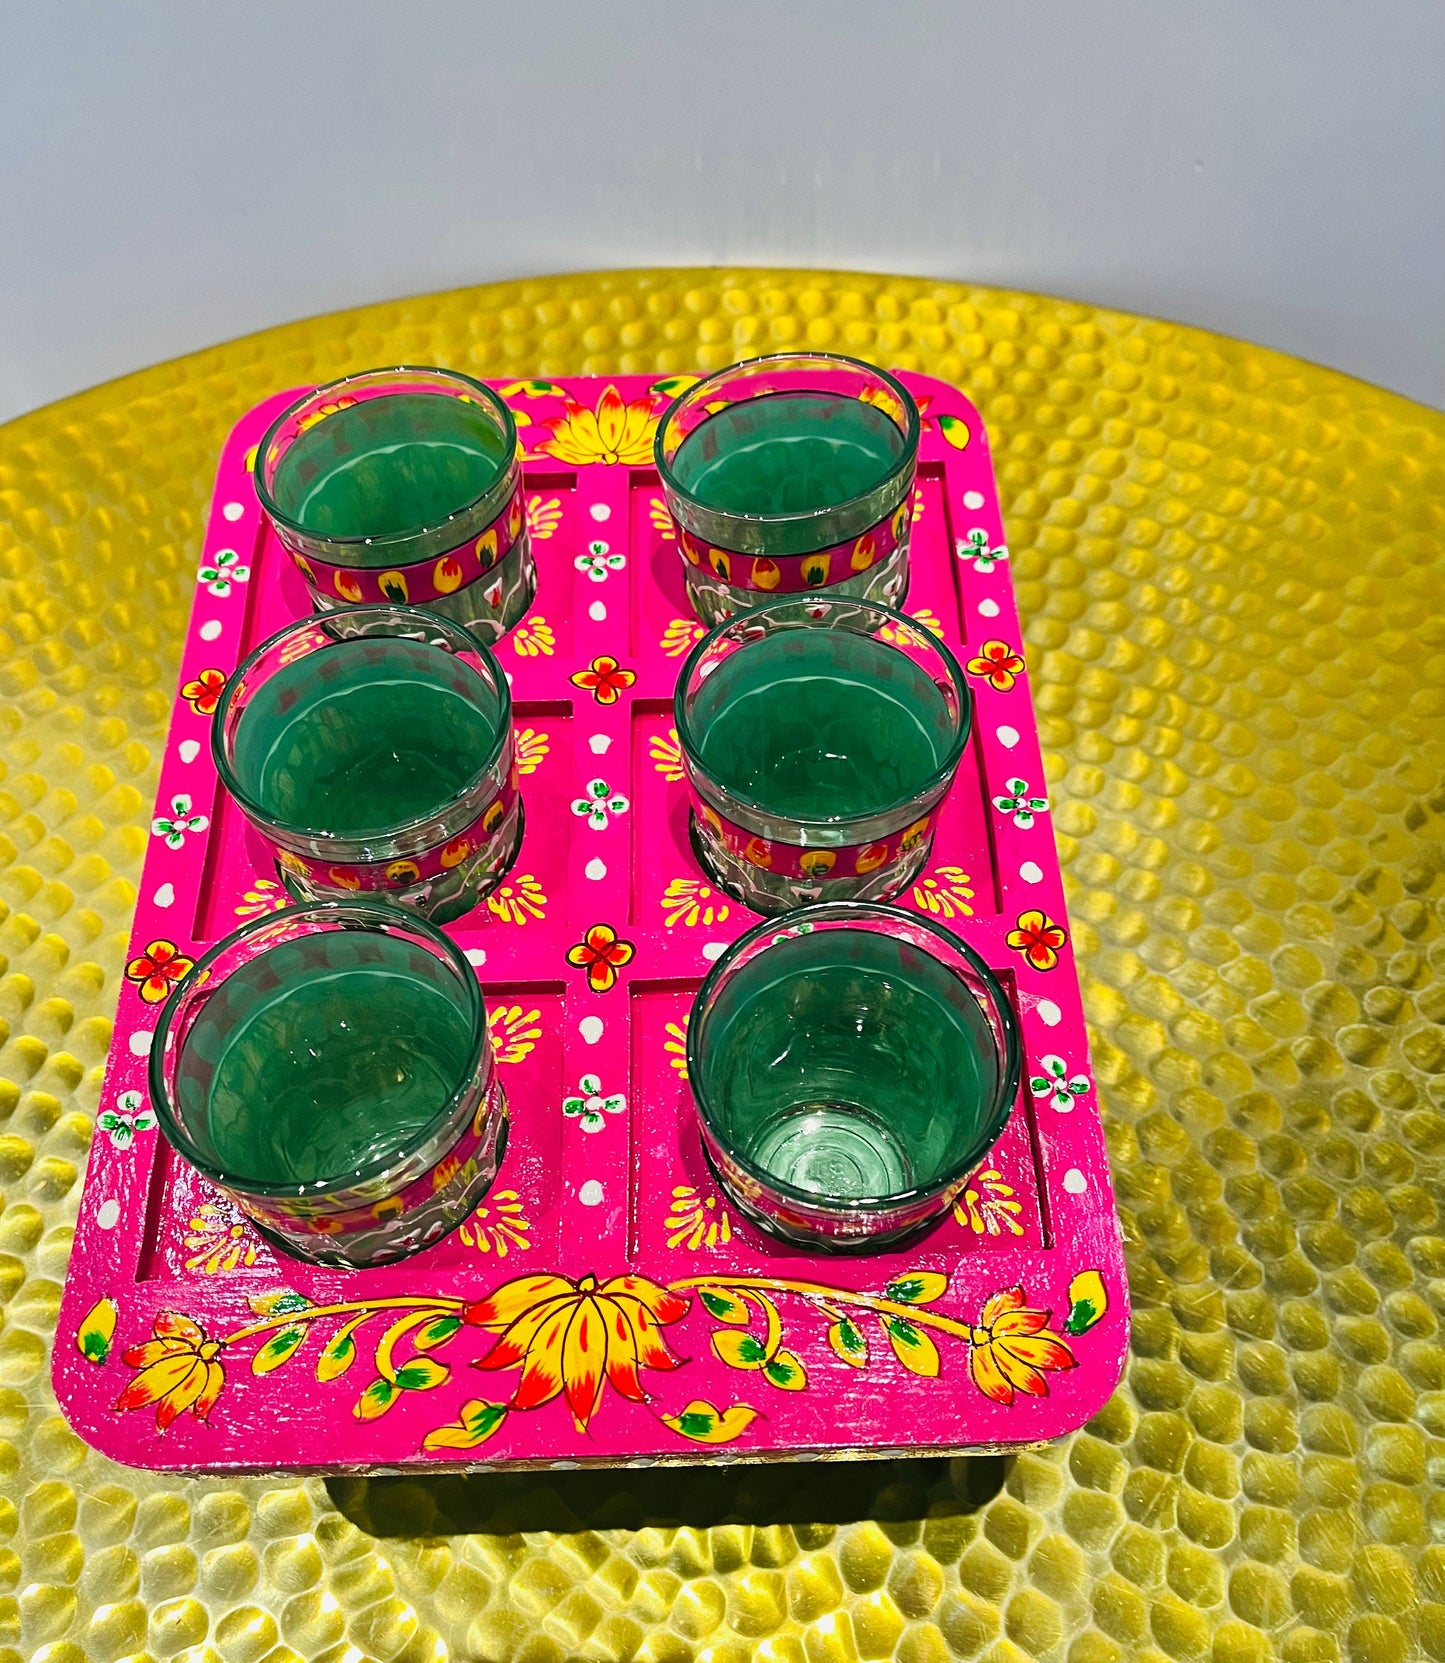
(1230, 564)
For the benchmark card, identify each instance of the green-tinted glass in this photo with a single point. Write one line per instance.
(822, 724)
(323, 1058)
(788, 453)
(364, 737)
(389, 465)
(848, 1064)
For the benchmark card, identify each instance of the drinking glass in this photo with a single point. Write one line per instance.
(329, 1067)
(850, 1070)
(372, 751)
(819, 736)
(403, 485)
(790, 473)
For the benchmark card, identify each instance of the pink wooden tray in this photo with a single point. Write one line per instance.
(640, 1319)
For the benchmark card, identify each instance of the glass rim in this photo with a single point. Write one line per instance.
(379, 913)
(906, 462)
(941, 774)
(273, 511)
(876, 911)
(334, 840)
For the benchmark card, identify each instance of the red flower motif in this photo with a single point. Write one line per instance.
(601, 954)
(157, 970)
(204, 693)
(1038, 938)
(604, 679)
(998, 664)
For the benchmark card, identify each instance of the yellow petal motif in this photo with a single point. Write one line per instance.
(726, 1307)
(1087, 1302)
(917, 1287)
(740, 1350)
(912, 1346)
(376, 1400)
(97, 1329)
(279, 1349)
(705, 1424)
(848, 1343)
(476, 1423)
(955, 430)
(786, 1373)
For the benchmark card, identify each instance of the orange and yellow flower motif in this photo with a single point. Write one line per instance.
(447, 575)
(602, 955)
(534, 638)
(456, 852)
(572, 1337)
(514, 1030)
(680, 636)
(544, 515)
(1012, 1348)
(604, 679)
(518, 901)
(204, 693)
(1038, 938)
(157, 970)
(998, 664)
(176, 1370)
(614, 432)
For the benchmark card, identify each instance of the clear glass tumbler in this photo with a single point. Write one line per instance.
(403, 485)
(819, 736)
(850, 1070)
(372, 751)
(329, 1067)
(791, 473)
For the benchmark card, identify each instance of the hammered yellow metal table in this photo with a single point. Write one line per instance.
(1232, 566)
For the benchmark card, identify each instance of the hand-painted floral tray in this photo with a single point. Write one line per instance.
(604, 1305)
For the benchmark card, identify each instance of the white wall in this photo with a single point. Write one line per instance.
(173, 174)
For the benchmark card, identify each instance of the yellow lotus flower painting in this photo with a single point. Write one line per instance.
(176, 1371)
(614, 432)
(571, 1337)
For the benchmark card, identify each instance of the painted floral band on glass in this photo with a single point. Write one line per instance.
(426, 582)
(403, 485)
(893, 1062)
(372, 751)
(792, 573)
(329, 1067)
(789, 473)
(819, 738)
